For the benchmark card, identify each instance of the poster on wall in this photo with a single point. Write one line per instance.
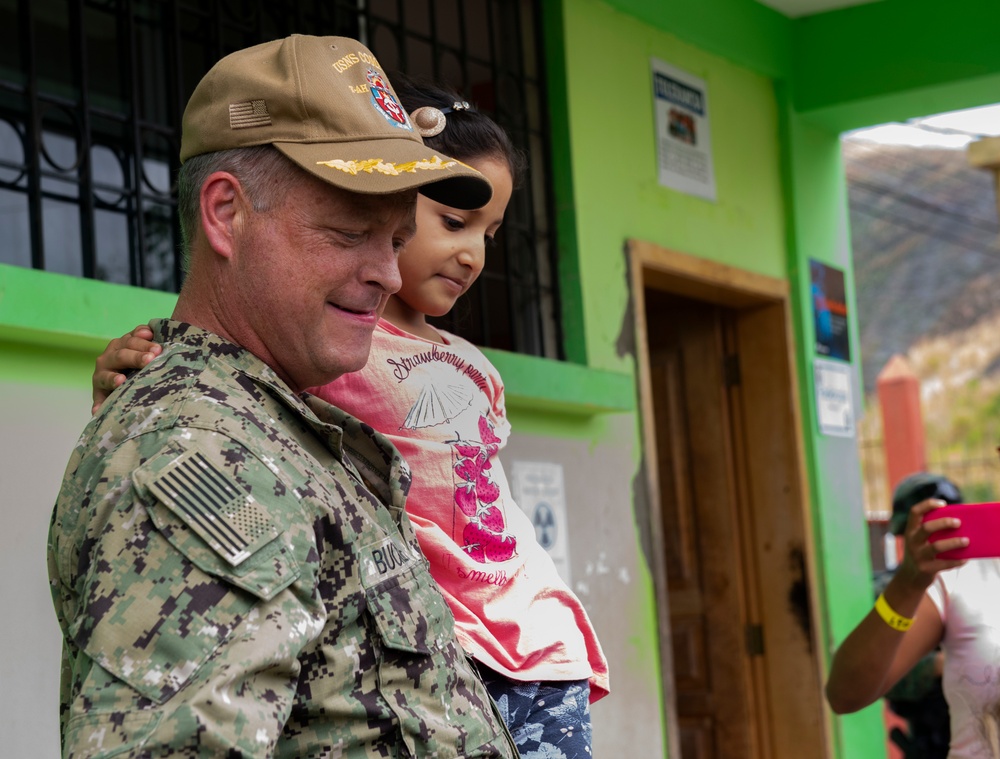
(829, 303)
(539, 490)
(683, 137)
(834, 400)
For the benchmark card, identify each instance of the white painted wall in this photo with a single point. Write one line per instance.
(38, 429)
(610, 575)
(40, 425)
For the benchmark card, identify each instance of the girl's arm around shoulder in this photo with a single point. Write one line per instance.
(133, 350)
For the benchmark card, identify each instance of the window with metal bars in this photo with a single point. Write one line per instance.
(91, 97)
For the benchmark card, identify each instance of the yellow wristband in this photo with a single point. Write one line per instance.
(889, 615)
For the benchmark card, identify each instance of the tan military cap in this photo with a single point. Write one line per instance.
(326, 104)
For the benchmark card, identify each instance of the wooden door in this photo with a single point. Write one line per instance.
(712, 634)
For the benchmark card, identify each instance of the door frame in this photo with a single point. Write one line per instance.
(780, 534)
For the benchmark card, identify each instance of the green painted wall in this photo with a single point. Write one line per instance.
(616, 193)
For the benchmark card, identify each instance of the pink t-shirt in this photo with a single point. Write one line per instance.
(443, 408)
(966, 599)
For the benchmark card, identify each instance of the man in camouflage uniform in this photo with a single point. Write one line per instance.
(230, 561)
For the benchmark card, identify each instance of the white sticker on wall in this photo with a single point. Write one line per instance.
(834, 400)
(539, 490)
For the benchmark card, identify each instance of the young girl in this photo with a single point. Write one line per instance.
(441, 402)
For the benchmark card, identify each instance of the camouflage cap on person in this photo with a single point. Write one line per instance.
(916, 488)
(326, 104)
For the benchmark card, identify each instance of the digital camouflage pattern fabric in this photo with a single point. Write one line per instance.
(235, 576)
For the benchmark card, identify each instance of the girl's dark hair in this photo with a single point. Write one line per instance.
(468, 134)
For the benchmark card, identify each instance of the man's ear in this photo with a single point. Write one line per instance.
(223, 206)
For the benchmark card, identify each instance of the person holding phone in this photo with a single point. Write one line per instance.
(918, 697)
(929, 602)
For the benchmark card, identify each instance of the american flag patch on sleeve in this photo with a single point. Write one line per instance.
(251, 113)
(218, 509)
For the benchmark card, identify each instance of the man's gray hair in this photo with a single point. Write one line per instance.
(264, 173)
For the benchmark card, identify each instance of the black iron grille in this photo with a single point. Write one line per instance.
(92, 92)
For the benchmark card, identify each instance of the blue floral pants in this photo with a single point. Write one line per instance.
(548, 720)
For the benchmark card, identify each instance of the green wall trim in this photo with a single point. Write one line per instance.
(900, 106)
(531, 382)
(745, 32)
(570, 293)
(890, 47)
(853, 67)
(48, 310)
(42, 308)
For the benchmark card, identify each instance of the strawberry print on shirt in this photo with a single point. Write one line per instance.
(476, 495)
(442, 406)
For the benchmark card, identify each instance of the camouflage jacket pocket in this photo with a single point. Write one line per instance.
(441, 706)
(411, 616)
(151, 619)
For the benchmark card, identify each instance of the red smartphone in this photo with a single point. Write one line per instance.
(980, 524)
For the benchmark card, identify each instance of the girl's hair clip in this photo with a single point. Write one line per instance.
(431, 121)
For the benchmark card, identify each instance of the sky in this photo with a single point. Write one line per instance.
(945, 130)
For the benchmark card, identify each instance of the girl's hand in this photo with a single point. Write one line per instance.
(920, 557)
(133, 350)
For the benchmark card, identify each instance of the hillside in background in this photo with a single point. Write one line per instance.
(926, 244)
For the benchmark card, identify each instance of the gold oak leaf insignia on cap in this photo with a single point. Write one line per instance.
(252, 113)
(377, 165)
